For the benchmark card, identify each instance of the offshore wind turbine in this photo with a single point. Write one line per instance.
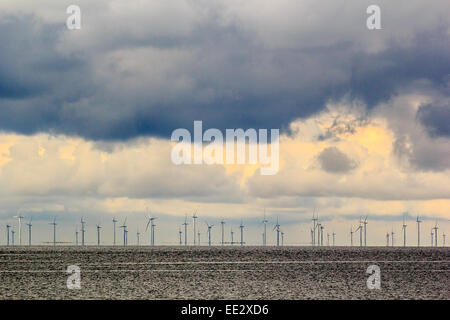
(83, 230)
(404, 231)
(209, 232)
(392, 237)
(418, 231)
(232, 236)
(29, 231)
(277, 228)
(435, 234)
(54, 230)
(242, 233)
(185, 224)
(98, 234)
(365, 231)
(351, 236)
(194, 217)
(265, 228)
(7, 234)
(152, 229)
(222, 223)
(114, 229)
(19, 218)
(314, 220)
(124, 227)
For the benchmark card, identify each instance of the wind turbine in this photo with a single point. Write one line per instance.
(328, 239)
(223, 237)
(443, 239)
(180, 233)
(277, 227)
(137, 235)
(19, 218)
(312, 237)
(360, 232)
(185, 224)
(152, 229)
(418, 231)
(321, 234)
(76, 235)
(265, 228)
(365, 231)
(29, 231)
(387, 239)
(232, 236)
(351, 236)
(209, 233)
(199, 238)
(334, 235)
(114, 228)
(432, 236)
(83, 231)
(98, 234)
(7, 234)
(54, 230)
(194, 217)
(314, 220)
(435, 234)
(404, 231)
(242, 233)
(392, 237)
(124, 227)
(282, 238)
(12, 234)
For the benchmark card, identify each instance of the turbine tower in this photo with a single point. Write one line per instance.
(114, 230)
(418, 231)
(318, 225)
(137, 235)
(328, 239)
(432, 236)
(185, 224)
(54, 230)
(242, 233)
(29, 231)
(76, 236)
(19, 218)
(180, 233)
(194, 217)
(282, 238)
(404, 231)
(277, 227)
(98, 234)
(83, 231)
(223, 237)
(312, 237)
(321, 234)
(443, 239)
(199, 238)
(12, 234)
(232, 236)
(334, 236)
(209, 232)
(360, 233)
(387, 239)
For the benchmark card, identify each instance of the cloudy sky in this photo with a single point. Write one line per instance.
(86, 115)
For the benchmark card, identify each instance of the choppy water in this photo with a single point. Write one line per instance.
(224, 273)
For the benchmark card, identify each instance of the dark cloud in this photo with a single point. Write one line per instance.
(223, 76)
(436, 118)
(335, 161)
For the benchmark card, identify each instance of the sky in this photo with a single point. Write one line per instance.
(86, 116)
